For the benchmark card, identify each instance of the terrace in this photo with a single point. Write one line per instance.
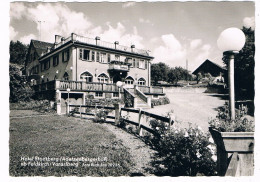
(83, 86)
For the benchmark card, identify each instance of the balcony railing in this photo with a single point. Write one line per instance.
(151, 90)
(93, 86)
(76, 86)
(119, 67)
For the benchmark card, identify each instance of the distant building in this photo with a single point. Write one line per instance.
(210, 67)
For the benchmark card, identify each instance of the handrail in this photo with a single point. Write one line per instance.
(141, 95)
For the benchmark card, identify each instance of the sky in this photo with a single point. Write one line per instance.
(173, 32)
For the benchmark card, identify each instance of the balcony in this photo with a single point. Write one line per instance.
(81, 86)
(118, 66)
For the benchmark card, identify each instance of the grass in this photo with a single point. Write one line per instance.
(58, 136)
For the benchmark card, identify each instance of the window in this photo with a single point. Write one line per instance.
(99, 94)
(36, 69)
(66, 55)
(117, 57)
(103, 78)
(84, 54)
(87, 76)
(47, 64)
(146, 64)
(103, 57)
(93, 55)
(141, 81)
(66, 76)
(134, 63)
(141, 64)
(137, 63)
(129, 80)
(97, 56)
(108, 58)
(115, 94)
(130, 61)
(56, 60)
(42, 66)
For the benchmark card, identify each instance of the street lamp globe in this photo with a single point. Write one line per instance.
(231, 40)
(119, 83)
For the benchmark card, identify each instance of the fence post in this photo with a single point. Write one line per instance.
(117, 113)
(140, 130)
(80, 111)
(171, 118)
(68, 109)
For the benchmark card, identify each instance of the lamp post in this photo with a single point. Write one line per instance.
(231, 41)
(119, 84)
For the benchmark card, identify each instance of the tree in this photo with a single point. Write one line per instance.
(245, 66)
(18, 52)
(19, 89)
(159, 72)
(178, 73)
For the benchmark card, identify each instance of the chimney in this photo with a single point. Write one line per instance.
(132, 48)
(62, 40)
(116, 43)
(97, 39)
(57, 40)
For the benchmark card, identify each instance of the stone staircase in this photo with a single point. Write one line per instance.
(140, 103)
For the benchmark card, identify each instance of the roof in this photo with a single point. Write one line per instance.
(41, 46)
(205, 65)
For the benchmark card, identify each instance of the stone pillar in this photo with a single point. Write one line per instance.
(58, 102)
(117, 113)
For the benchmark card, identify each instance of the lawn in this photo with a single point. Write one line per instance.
(62, 146)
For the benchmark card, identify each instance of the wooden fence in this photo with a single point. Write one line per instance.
(118, 114)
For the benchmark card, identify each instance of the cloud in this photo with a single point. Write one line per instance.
(171, 52)
(26, 39)
(199, 55)
(17, 10)
(58, 19)
(249, 22)
(141, 20)
(195, 43)
(12, 33)
(52, 19)
(128, 4)
(119, 33)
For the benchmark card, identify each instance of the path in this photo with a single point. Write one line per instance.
(191, 105)
(140, 152)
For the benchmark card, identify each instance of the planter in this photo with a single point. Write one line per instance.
(235, 152)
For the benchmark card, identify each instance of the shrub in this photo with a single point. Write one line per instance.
(160, 101)
(223, 123)
(181, 151)
(122, 122)
(101, 116)
(37, 105)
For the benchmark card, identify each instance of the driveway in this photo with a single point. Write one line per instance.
(191, 105)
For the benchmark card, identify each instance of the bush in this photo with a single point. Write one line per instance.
(20, 90)
(101, 116)
(223, 123)
(160, 101)
(181, 151)
(37, 105)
